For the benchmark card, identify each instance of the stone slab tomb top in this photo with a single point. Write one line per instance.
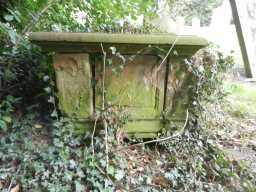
(125, 43)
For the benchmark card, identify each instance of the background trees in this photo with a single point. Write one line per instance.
(95, 15)
(191, 8)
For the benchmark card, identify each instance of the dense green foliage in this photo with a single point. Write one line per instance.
(75, 15)
(207, 67)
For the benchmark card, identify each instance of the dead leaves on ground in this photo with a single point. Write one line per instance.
(16, 188)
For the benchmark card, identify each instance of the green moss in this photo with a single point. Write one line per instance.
(154, 39)
(143, 135)
(139, 87)
(143, 126)
(132, 88)
(82, 127)
(74, 84)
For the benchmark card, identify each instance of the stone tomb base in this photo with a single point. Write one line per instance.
(153, 92)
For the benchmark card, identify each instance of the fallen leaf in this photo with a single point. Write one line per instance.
(38, 126)
(1, 185)
(160, 180)
(16, 188)
(7, 119)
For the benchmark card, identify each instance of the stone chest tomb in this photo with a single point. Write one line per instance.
(137, 73)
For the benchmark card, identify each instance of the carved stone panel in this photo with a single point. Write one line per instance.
(177, 94)
(138, 85)
(73, 78)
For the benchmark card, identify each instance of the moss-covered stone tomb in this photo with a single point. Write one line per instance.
(135, 70)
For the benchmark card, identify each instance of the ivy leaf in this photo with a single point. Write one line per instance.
(68, 176)
(16, 15)
(187, 62)
(47, 90)
(175, 53)
(109, 61)
(121, 67)
(54, 114)
(111, 170)
(80, 173)
(3, 125)
(51, 100)
(113, 49)
(119, 174)
(79, 187)
(13, 36)
(72, 164)
(114, 71)
(103, 162)
(121, 57)
(7, 119)
(8, 17)
(201, 69)
(46, 78)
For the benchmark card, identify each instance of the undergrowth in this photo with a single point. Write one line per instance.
(53, 158)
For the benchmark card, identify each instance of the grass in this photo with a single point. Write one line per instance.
(242, 97)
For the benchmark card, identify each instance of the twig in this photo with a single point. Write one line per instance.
(10, 186)
(155, 72)
(104, 173)
(103, 77)
(5, 90)
(158, 140)
(169, 51)
(166, 56)
(94, 128)
(106, 142)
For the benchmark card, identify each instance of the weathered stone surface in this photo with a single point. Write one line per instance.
(138, 86)
(177, 97)
(73, 78)
(153, 39)
(143, 126)
(125, 43)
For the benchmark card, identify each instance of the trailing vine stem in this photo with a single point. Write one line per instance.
(103, 105)
(103, 76)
